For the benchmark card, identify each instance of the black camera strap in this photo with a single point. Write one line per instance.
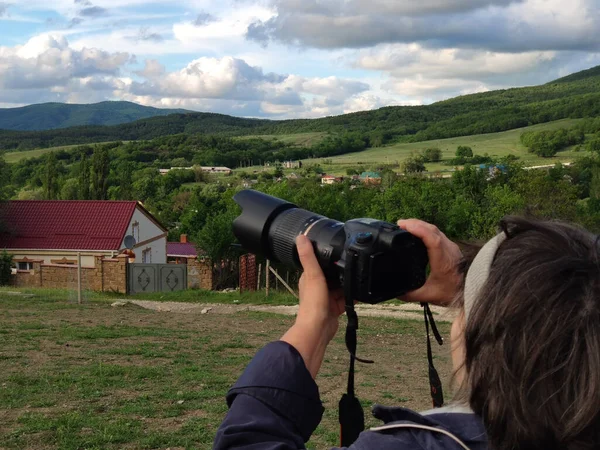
(435, 384)
(351, 414)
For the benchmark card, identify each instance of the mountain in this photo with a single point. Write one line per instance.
(48, 116)
(575, 96)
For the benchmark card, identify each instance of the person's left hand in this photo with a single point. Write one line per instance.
(319, 311)
(319, 308)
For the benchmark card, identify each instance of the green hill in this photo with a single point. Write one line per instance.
(48, 116)
(575, 96)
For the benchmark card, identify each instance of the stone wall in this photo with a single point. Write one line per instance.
(199, 275)
(108, 275)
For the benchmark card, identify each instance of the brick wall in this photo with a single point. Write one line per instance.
(199, 275)
(108, 275)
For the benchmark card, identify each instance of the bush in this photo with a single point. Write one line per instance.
(414, 165)
(432, 154)
(5, 266)
(464, 152)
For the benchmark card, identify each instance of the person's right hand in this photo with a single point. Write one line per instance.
(444, 256)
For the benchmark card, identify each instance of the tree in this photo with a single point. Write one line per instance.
(100, 171)
(278, 171)
(5, 268)
(51, 187)
(351, 172)
(464, 152)
(432, 154)
(216, 237)
(125, 175)
(70, 190)
(413, 165)
(84, 177)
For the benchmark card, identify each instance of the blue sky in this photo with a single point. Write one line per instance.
(287, 58)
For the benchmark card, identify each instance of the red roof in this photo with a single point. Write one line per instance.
(65, 225)
(181, 249)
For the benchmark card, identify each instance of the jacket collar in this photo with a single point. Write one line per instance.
(460, 420)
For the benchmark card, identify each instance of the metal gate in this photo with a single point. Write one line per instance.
(156, 278)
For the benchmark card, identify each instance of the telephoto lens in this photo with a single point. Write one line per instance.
(387, 261)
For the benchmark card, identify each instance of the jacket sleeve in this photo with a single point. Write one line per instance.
(274, 405)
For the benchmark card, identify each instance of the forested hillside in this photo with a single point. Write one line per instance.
(47, 116)
(575, 96)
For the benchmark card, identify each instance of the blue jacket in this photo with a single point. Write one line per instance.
(275, 405)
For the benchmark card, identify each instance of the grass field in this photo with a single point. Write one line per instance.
(13, 157)
(495, 144)
(97, 377)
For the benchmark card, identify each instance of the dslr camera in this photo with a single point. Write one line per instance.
(378, 259)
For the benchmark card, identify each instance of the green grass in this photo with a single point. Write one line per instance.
(495, 144)
(16, 156)
(91, 376)
(189, 296)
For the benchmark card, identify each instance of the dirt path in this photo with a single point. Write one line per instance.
(407, 311)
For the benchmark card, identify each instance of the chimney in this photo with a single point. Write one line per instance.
(183, 239)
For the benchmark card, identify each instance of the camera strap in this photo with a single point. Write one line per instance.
(435, 383)
(351, 414)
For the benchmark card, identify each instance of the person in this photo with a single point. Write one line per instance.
(525, 349)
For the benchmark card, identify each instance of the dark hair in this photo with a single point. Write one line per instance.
(533, 340)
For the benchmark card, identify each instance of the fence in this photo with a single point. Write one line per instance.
(107, 275)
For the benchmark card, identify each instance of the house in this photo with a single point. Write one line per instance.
(182, 251)
(224, 170)
(293, 176)
(53, 232)
(292, 165)
(166, 171)
(330, 179)
(370, 177)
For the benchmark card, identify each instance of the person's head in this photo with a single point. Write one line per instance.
(530, 342)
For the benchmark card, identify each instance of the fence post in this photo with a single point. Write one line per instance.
(79, 278)
(258, 277)
(267, 275)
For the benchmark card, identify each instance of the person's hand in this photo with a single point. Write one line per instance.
(444, 256)
(319, 311)
(319, 308)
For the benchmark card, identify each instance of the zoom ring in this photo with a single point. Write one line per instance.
(285, 229)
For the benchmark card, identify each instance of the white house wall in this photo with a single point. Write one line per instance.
(148, 231)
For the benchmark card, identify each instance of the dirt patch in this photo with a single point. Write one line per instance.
(406, 311)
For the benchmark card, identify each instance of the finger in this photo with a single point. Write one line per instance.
(428, 233)
(308, 258)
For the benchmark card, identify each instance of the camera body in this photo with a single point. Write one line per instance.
(387, 261)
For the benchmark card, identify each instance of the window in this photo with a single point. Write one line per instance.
(24, 266)
(147, 256)
(135, 231)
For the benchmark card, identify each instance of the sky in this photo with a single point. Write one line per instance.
(287, 58)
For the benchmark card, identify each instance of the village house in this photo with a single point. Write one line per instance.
(54, 232)
(370, 177)
(222, 170)
(181, 252)
(331, 179)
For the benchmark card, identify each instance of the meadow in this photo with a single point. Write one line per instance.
(92, 376)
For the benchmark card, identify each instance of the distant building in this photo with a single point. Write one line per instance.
(331, 179)
(182, 251)
(293, 176)
(370, 178)
(292, 165)
(225, 170)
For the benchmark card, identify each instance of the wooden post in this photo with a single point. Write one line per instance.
(258, 277)
(79, 278)
(283, 282)
(267, 275)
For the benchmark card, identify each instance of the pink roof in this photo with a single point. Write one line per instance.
(65, 225)
(181, 249)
